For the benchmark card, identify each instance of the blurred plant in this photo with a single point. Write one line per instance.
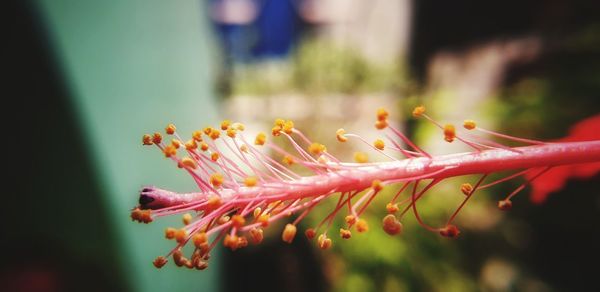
(246, 195)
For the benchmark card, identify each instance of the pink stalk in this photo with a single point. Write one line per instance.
(232, 204)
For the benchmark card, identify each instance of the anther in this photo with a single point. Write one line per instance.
(361, 157)
(317, 148)
(238, 126)
(231, 132)
(203, 146)
(157, 138)
(199, 239)
(377, 186)
(214, 156)
(170, 129)
(324, 242)
(310, 233)
(288, 127)
(238, 221)
(223, 219)
(188, 162)
(391, 225)
(340, 135)
(187, 218)
(191, 144)
(382, 114)
(379, 144)
(170, 150)
(170, 232)
(362, 226)
(256, 235)
(391, 208)
(469, 124)
(250, 181)
(261, 138)
(215, 134)
(466, 188)
(418, 111)
(350, 219)
(147, 139)
(505, 205)
(225, 124)
(345, 233)
(279, 123)
(288, 160)
(257, 212)
(449, 133)
(216, 179)
(181, 235)
(159, 262)
(213, 202)
(380, 125)
(197, 136)
(450, 231)
(276, 131)
(289, 232)
(264, 219)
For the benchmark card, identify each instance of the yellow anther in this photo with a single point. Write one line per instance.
(214, 156)
(170, 150)
(223, 219)
(466, 188)
(238, 221)
(362, 226)
(379, 144)
(449, 133)
(239, 126)
(310, 233)
(231, 241)
(156, 138)
(231, 132)
(261, 138)
(216, 179)
(340, 135)
(197, 135)
(289, 232)
(469, 124)
(288, 160)
(256, 235)
(181, 235)
(418, 111)
(159, 262)
(264, 219)
(288, 127)
(147, 139)
(191, 144)
(323, 159)
(279, 123)
(170, 232)
(186, 218)
(345, 233)
(377, 186)
(199, 239)
(505, 204)
(382, 114)
(213, 202)
(215, 134)
(380, 125)
(188, 162)
(170, 129)
(391, 225)
(225, 124)
(276, 131)
(203, 146)
(316, 148)
(350, 219)
(142, 216)
(361, 157)
(257, 212)
(391, 208)
(176, 143)
(324, 242)
(250, 181)
(208, 130)
(244, 148)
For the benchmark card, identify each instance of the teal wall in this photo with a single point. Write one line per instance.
(131, 68)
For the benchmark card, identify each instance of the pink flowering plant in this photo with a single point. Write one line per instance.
(242, 190)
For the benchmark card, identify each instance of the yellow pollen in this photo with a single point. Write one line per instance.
(225, 124)
(310, 233)
(377, 186)
(176, 143)
(180, 235)
(264, 219)
(276, 131)
(191, 144)
(469, 124)
(208, 130)
(391, 225)
(350, 219)
(170, 232)
(391, 208)
(288, 160)
(244, 148)
(238, 221)
(250, 181)
(316, 148)
(324, 242)
(379, 144)
(199, 239)
(170, 129)
(289, 232)
(214, 156)
(147, 139)
(339, 134)
(466, 188)
(418, 111)
(256, 235)
(203, 146)
(380, 125)
(223, 219)
(279, 123)
(156, 138)
(449, 133)
(261, 138)
(231, 132)
(186, 218)
(257, 212)
(239, 126)
(345, 233)
(215, 134)
(214, 202)
(288, 127)
(216, 179)
(188, 162)
(170, 150)
(362, 226)
(382, 114)
(197, 135)
(361, 157)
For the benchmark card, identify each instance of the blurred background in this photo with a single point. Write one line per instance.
(88, 78)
